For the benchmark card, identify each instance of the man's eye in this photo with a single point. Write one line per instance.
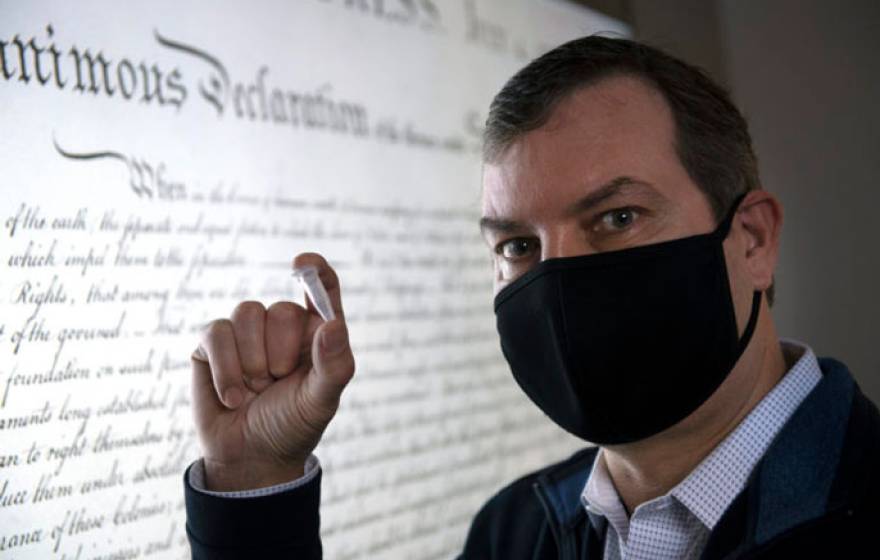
(617, 220)
(514, 249)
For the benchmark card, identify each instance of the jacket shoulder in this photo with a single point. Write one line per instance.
(848, 527)
(512, 524)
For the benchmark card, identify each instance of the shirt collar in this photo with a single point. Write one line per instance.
(710, 488)
(601, 500)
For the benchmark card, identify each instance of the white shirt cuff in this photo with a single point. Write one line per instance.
(197, 481)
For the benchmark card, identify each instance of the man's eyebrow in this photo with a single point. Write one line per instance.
(612, 188)
(500, 225)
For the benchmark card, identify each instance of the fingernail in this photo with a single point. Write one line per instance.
(333, 339)
(232, 397)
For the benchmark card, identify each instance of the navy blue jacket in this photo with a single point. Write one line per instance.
(814, 494)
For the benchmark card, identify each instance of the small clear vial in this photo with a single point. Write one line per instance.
(314, 288)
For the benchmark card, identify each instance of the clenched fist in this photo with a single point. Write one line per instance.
(265, 385)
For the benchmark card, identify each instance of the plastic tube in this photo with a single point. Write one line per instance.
(314, 288)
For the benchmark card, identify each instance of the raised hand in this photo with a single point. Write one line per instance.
(266, 383)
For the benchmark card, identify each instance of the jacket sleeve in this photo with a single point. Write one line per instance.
(282, 525)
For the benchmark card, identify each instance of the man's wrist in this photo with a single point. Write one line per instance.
(223, 477)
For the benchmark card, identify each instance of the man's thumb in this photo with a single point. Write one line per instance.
(333, 360)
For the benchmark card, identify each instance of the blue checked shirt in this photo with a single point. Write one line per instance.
(677, 524)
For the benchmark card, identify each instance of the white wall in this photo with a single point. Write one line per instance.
(130, 218)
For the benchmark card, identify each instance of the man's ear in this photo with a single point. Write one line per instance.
(760, 215)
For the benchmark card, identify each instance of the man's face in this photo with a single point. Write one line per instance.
(601, 175)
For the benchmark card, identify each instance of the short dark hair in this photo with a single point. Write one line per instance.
(711, 137)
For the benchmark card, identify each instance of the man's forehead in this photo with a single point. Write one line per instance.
(618, 127)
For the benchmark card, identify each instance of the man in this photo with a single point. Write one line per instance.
(634, 256)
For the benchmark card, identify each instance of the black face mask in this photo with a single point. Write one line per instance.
(618, 346)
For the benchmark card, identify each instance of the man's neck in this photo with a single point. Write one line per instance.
(645, 469)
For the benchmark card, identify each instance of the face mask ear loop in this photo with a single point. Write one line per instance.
(750, 326)
(724, 227)
(721, 233)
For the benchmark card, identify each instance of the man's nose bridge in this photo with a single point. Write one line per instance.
(564, 242)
